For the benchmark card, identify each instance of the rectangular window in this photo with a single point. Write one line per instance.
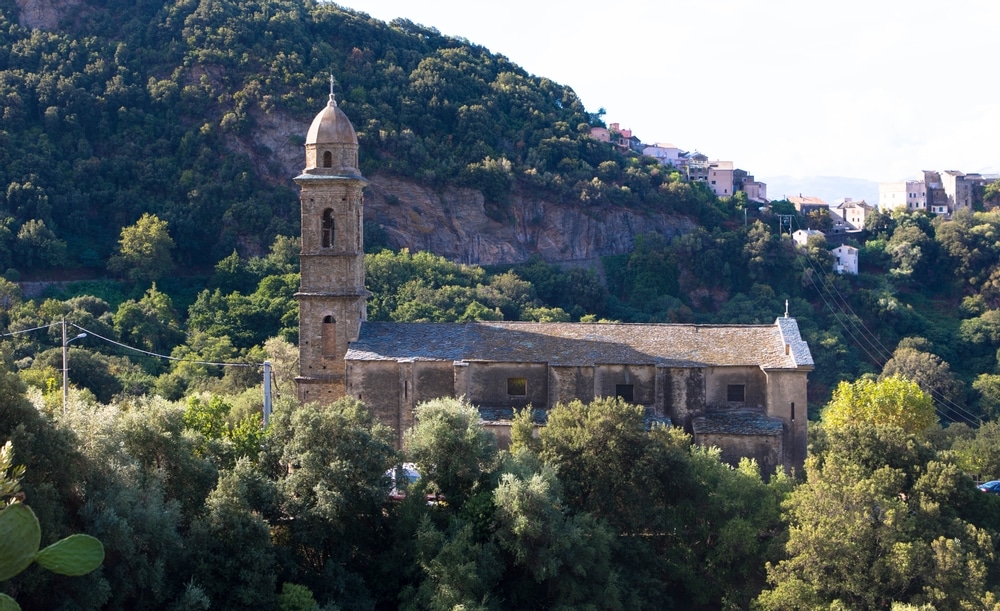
(517, 387)
(736, 393)
(625, 392)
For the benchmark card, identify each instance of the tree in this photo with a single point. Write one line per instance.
(980, 454)
(893, 400)
(234, 556)
(329, 464)
(144, 250)
(820, 220)
(150, 323)
(557, 559)
(878, 497)
(912, 252)
(613, 468)
(38, 247)
(880, 224)
(930, 372)
(988, 387)
(453, 452)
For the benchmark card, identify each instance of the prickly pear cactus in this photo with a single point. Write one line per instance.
(75, 555)
(20, 537)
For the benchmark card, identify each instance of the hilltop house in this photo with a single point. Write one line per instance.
(665, 153)
(851, 213)
(845, 259)
(937, 192)
(806, 204)
(740, 387)
(801, 236)
(601, 134)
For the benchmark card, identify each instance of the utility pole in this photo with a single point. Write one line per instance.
(784, 219)
(267, 392)
(65, 367)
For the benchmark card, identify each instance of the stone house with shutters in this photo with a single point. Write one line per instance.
(739, 387)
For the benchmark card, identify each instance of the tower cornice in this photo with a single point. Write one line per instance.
(308, 177)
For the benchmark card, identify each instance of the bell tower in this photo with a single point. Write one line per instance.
(332, 262)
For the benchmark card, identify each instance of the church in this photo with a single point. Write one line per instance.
(739, 387)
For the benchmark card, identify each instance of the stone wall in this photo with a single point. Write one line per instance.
(767, 450)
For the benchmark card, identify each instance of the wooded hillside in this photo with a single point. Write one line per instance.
(193, 111)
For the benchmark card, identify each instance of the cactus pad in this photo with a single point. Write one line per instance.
(74, 555)
(20, 536)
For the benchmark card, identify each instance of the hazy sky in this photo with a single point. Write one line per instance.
(872, 89)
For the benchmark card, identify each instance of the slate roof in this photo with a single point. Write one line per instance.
(776, 346)
(736, 423)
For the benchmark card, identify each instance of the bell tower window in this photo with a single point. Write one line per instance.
(327, 159)
(329, 336)
(327, 228)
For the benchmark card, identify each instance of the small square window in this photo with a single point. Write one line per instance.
(625, 392)
(517, 387)
(736, 393)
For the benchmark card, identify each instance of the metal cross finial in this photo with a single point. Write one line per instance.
(333, 101)
(786, 308)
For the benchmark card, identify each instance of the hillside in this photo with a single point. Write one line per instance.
(196, 112)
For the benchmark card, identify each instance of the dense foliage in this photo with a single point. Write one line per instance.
(171, 108)
(198, 507)
(130, 141)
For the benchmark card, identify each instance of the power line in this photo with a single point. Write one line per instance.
(13, 333)
(162, 356)
(872, 339)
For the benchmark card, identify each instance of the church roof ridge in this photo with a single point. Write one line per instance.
(580, 344)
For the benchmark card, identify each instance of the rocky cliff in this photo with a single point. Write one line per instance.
(454, 223)
(45, 14)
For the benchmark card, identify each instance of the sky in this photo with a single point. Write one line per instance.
(875, 90)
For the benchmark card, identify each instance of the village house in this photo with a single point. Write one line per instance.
(942, 193)
(801, 236)
(845, 259)
(601, 134)
(806, 204)
(851, 213)
(739, 387)
(666, 154)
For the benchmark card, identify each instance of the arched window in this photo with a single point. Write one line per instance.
(327, 232)
(329, 336)
(327, 159)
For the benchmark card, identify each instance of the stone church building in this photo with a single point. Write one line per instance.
(739, 387)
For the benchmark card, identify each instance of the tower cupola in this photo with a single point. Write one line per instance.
(332, 144)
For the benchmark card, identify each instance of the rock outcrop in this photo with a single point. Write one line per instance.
(45, 14)
(454, 223)
(457, 223)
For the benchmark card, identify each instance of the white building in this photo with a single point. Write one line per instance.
(664, 152)
(801, 236)
(846, 259)
(908, 194)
